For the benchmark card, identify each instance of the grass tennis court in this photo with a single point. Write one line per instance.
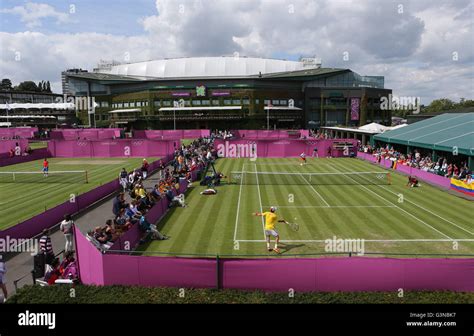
(21, 201)
(389, 218)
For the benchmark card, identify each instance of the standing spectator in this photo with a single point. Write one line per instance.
(119, 203)
(3, 270)
(123, 180)
(46, 246)
(145, 166)
(66, 229)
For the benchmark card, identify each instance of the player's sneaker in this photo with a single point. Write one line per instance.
(276, 250)
(270, 249)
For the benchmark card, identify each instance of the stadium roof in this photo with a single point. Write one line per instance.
(198, 67)
(443, 133)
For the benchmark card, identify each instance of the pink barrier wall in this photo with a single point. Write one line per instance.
(21, 132)
(37, 154)
(86, 133)
(422, 175)
(171, 134)
(91, 268)
(155, 271)
(6, 145)
(282, 147)
(349, 274)
(111, 148)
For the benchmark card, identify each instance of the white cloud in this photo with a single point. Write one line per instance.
(413, 49)
(33, 13)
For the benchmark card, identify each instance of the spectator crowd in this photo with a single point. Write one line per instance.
(415, 159)
(134, 201)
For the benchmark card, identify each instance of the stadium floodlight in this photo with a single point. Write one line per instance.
(292, 178)
(71, 176)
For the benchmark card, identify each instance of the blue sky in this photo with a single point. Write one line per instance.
(119, 17)
(424, 48)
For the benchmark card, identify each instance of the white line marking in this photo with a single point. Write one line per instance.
(434, 214)
(317, 193)
(411, 215)
(367, 240)
(332, 206)
(261, 207)
(238, 209)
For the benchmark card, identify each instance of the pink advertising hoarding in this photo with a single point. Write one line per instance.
(278, 148)
(85, 134)
(111, 148)
(7, 145)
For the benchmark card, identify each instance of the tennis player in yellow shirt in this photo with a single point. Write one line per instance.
(270, 221)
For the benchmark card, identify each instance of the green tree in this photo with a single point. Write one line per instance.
(27, 86)
(6, 84)
(438, 105)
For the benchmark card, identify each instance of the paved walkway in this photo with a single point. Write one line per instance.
(21, 264)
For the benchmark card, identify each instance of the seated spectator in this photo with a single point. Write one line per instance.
(99, 235)
(119, 203)
(132, 212)
(122, 221)
(155, 194)
(52, 272)
(174, 200)
(68, 259)
(146, 226)
(110, 232)
(145, 203)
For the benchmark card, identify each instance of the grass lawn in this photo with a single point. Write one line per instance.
(21, 201)
(38, 145)
(388, 218)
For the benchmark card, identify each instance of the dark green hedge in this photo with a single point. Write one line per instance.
(125, 294)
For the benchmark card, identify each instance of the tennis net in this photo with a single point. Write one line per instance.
(322, 178)
(72, 176)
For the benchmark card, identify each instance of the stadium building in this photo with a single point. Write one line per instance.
(216, 92)
(29, 108)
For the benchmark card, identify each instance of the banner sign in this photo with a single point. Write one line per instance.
(355, 107)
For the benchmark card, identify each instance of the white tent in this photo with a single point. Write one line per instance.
(374, 128)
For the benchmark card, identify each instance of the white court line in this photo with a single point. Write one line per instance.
(332, 206)
(327, 204)
(411, 215)
(238, 206)
(366, 240)
(261, 207)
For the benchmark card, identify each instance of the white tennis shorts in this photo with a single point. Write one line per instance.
(271, 233)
